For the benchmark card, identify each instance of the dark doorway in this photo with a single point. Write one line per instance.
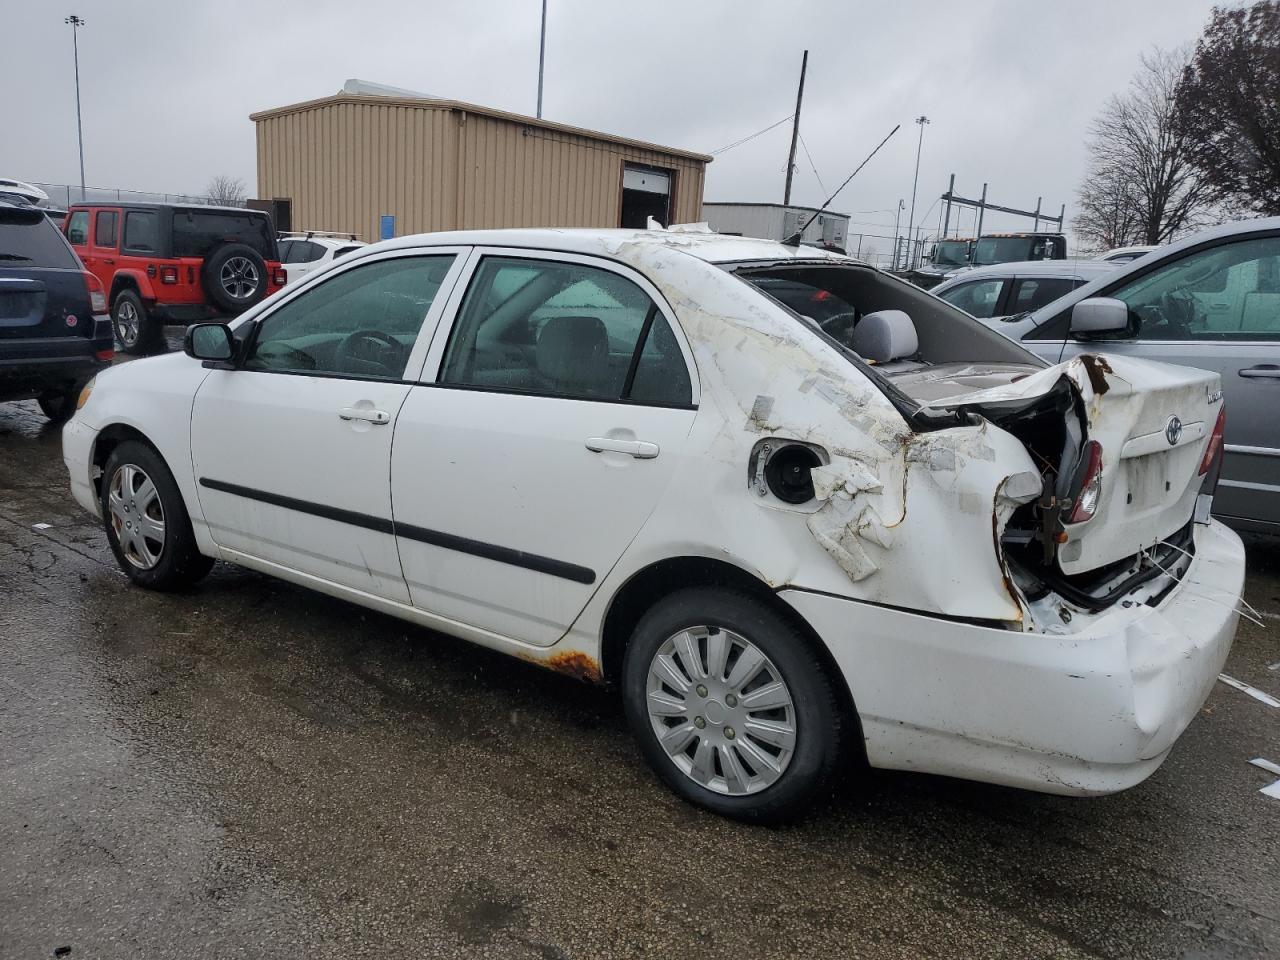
(646, 192)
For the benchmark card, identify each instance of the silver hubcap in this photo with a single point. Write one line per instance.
(127, 320)
(137, 516)
(721, 710)
(239, 277)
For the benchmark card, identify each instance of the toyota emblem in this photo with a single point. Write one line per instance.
(1173, 430)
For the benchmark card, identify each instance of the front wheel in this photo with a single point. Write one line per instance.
(732, 707)
(146, 520)
(57, 405)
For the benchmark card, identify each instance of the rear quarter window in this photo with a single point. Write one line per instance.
(196, 233)
(28, 239)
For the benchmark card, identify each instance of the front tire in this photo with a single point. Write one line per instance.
(147, 522)
(731, 706)
(135, 330)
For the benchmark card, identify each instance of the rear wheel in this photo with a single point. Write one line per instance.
(731, 706)
(146, 520)
(134, 329)
(59, 405)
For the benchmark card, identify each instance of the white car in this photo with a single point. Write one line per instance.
(612, 454)
(1010, 289)
(301, 254)
(1125, 254)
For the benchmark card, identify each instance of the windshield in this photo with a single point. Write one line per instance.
(197, 232)
(951, 253)
(1001, 250)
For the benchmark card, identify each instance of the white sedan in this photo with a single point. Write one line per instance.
(613, 454)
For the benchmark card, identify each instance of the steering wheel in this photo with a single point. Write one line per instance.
(354, 350)
(840, 326)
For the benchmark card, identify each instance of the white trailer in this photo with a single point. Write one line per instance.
(775, 221)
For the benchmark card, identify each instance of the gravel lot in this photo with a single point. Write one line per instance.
(251, 769)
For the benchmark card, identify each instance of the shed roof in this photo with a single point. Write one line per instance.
(429, 104)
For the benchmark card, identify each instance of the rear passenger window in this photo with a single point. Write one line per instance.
(140, 231)
(978, 298)
(1034, 294)
(104, 229)
(564, 330)
(78, 228)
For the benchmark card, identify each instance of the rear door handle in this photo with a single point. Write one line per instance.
(364, 413)
(640, 449)
(108, 260)
(1265, 370)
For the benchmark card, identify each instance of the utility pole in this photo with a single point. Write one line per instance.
(76, 23)
(982, 211)
(542, 56)
(920, 121)
(795, 130)
(946, 226)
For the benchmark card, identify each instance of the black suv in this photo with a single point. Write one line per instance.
(55, 332)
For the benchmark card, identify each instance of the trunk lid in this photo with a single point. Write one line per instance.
(1153, 422)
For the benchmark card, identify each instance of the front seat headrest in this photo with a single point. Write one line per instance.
(573, 354)
(885, 335)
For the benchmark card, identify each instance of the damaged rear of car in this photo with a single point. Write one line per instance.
(1027, 588)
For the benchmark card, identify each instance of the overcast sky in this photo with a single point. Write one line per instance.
(1009, 87)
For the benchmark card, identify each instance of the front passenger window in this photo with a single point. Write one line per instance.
(362, 322)
(78, 228)
(978, 298)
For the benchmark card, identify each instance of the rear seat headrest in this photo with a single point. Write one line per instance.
(885, 335)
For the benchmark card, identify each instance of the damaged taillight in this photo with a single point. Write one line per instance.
(1214, 449)
(1091, 484)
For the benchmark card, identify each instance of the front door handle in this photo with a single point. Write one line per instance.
(108, 260)
(365, 413)
(1263, 370)
(640, 449)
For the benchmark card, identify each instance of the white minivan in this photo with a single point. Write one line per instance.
(612, 453)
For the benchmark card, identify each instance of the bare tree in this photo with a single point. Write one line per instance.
(1228, 106)
(226, 191)
(1141, 186)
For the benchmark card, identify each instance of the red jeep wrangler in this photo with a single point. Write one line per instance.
(164, 263)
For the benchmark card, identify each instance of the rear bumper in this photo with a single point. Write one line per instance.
(30, 367)
(1086, 712)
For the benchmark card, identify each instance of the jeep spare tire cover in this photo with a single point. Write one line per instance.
(234, 277)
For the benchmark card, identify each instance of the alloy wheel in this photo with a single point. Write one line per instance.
(239, 277)
(721, 710)
(137, 516)
(127, 323)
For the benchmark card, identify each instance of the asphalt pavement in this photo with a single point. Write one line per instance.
(251, 769)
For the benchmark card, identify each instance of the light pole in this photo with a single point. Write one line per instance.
(897, 221)
(76, 23)
(920, 121)
(542, 55)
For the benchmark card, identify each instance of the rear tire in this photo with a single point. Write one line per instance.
(135, 330)
(147, 522)
(778, 760)
(58, 406)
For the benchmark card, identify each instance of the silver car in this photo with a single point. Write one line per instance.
(1210, 301)
(1004, 289)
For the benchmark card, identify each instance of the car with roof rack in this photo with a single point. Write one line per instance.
(304, 252)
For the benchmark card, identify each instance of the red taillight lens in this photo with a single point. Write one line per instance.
(168, 274)
(105, 354)
(280, 276)
(820, 296)
(1214, 449)
(1091, 487)
(97, 296)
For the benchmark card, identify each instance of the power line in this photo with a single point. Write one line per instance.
(821, 185)
(738, 143)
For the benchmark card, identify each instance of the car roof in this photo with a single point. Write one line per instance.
(1121, 251)
(147, 205)
(711, 247)
(1225, 231)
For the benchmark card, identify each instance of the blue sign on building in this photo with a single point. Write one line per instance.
(387, 228)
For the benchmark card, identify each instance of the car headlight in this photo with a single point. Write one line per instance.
(84, 393)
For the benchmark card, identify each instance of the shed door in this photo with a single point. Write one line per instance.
(646, 192)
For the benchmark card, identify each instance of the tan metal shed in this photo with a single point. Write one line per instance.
(346, 160)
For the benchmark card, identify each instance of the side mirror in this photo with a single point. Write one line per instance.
(1099, 317)
(209, 342)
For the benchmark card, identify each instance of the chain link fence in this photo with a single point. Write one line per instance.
(65, 194)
